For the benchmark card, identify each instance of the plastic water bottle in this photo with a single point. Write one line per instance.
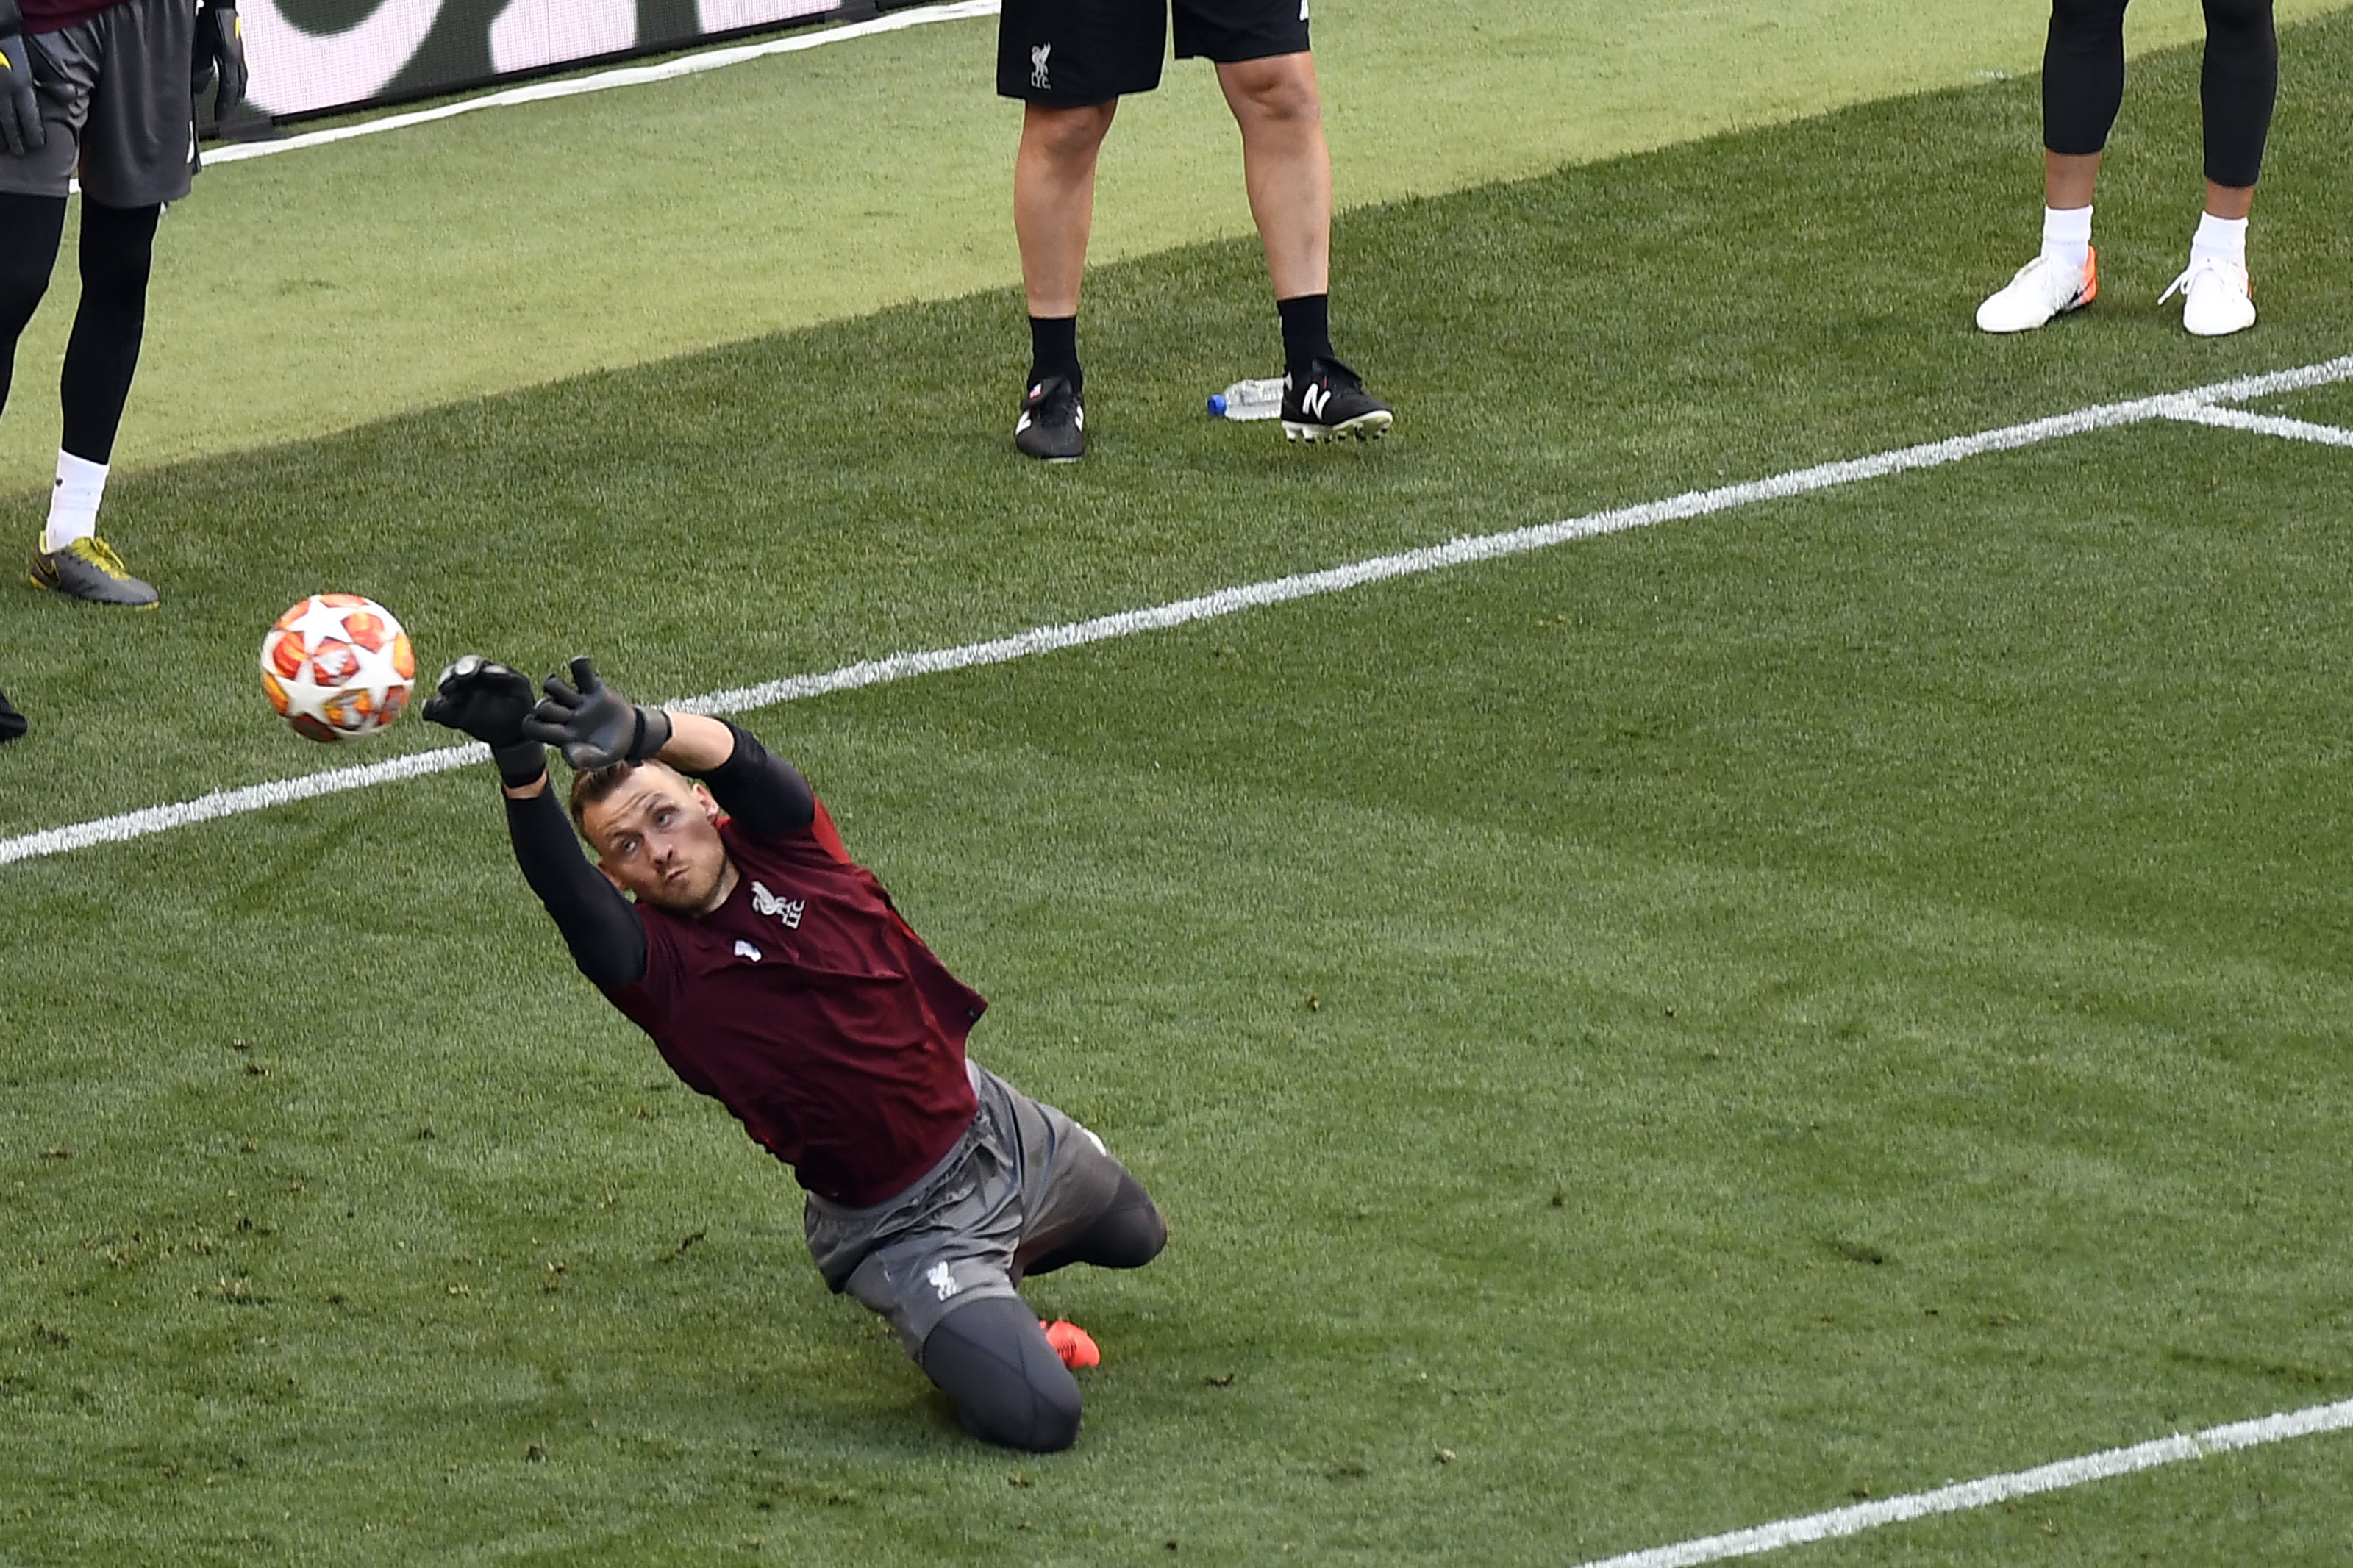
(1261, 399)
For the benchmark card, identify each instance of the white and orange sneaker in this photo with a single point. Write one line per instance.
(2216, 298)
(2038, 291)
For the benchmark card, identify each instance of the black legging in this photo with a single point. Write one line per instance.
(2084, 82)
(118, 247)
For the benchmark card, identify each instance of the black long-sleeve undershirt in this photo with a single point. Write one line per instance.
(765, 794)
(600, 926)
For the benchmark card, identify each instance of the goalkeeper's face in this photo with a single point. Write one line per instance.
(656, 838)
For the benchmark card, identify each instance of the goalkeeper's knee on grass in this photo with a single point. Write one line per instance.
(1009, 1385)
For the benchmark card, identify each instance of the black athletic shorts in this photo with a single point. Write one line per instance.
(1067, 53)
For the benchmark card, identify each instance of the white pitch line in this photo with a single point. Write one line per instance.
(1491, 546)
(1224, 601)
(604, 81)
(236, 802)
(2262, 424)
(1965, 1496)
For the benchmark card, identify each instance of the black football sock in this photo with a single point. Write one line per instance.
(30, 229)
(117, 247)
(1054, 349)
(1306, 332)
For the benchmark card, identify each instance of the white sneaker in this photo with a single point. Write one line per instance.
(2216, 298)
(2040, 289)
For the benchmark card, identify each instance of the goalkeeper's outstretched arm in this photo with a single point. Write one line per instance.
(595, 727)
(601, 927)
(765, 794)
(490, 702)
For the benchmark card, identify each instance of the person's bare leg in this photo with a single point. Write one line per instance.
(2231, 202)
(2068, 178)
(1286, 166)
(1054, 200)
(1053, 210)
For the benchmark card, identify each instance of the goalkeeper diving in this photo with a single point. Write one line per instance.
(724, 918)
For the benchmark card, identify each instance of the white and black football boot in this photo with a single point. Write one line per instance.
(1053, 423)
(1331, 402)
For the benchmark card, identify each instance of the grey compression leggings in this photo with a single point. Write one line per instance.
(992, 1358)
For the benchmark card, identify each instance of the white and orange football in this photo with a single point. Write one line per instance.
(337, 667)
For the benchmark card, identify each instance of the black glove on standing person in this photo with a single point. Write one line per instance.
(596, 725)
(21, 130)
(219, 52)
(490, 702)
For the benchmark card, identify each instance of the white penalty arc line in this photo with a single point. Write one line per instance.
(1965, 1496)
(606, 81)
(1224, 601)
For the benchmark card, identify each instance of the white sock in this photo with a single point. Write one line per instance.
(2067, 236)
(2223, 238)
(73, 503)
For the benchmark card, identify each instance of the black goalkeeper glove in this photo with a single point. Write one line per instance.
(21, 130)
(219, 53)
(490, 702)
(596, 725)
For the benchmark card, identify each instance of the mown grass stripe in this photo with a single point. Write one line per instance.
(1226, 601)
(1965, 1496)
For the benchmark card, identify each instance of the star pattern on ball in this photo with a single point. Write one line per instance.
(337, 666)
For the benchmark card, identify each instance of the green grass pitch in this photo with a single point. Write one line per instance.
(1659, 1035)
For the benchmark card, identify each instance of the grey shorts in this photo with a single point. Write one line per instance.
(1025, 1180)
(117, 104)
